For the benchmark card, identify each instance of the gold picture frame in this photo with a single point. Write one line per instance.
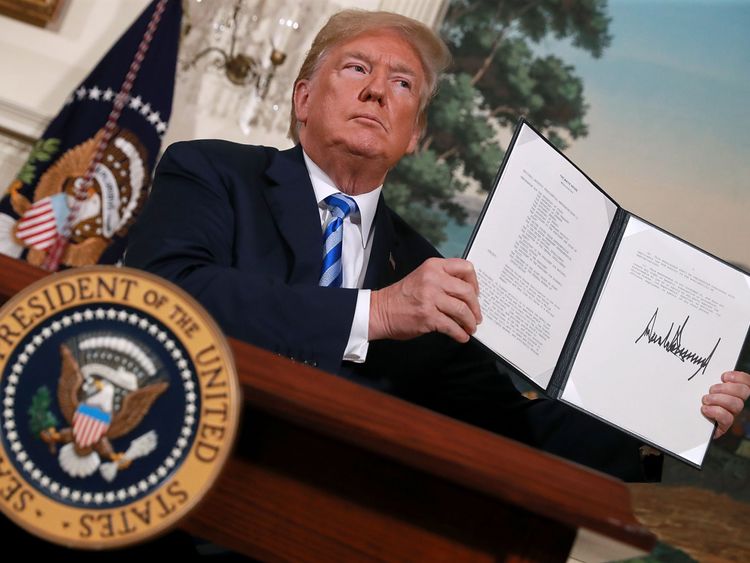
(35, 12)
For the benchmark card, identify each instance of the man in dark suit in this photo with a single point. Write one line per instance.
(239, 227)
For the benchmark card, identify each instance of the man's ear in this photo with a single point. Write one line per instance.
(415, 137)
(301, 99)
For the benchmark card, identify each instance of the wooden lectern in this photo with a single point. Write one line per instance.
(329, 470)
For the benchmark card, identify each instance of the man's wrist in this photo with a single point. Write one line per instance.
(375, 326)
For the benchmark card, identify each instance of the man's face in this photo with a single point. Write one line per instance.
(363, 98)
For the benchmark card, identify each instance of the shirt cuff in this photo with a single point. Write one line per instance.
(356, 348)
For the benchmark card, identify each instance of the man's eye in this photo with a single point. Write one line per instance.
(404, 84)
(358, 68)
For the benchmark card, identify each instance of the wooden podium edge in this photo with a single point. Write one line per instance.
(473, 459)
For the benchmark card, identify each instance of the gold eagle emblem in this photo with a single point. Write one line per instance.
(117, 192)
(102, 401)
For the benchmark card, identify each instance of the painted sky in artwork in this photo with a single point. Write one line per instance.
(669, 117)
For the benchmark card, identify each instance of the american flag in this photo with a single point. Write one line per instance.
(87, 111)
(38, 226)
(89, 425)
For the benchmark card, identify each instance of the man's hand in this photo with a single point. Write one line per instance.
(440, 295)
(726, 400)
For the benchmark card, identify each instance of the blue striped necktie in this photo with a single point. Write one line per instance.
(340, 206)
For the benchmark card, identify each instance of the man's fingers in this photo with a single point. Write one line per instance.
(726, 400)
(730, 403)
(451, 328)
(722, 417)
(463, 269)
(735, 389)
(739, 377)
(459, 312)
(464, 291)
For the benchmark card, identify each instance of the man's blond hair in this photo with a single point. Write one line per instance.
(348, 24)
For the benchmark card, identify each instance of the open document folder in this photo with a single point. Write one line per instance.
(599, 308)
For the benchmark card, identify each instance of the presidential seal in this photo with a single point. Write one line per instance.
(103, 212)
(120, 404)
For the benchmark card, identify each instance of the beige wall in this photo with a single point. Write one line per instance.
(40, 67)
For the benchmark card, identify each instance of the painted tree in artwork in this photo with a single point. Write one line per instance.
(497, 76)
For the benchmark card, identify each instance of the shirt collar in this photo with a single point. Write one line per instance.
(324, 186)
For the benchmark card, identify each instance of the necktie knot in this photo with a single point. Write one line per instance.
(341, 205)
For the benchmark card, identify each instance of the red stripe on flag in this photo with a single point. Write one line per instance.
(45, 244)
(49, 232)
(87, 430)
(31, 230)
(26, 222)
(39, 207)
(90, 431)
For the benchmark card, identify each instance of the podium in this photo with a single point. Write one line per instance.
(328, 470)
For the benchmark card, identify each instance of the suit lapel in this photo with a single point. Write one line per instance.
(291, 199)
(381, 270)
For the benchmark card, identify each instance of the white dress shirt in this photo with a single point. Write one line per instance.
(355, 252)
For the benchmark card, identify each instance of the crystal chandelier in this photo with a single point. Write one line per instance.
(240, 67)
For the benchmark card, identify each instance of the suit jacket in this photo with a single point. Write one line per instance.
(238, 227)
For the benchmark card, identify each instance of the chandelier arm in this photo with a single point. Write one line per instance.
(234, 28)
(205, 52)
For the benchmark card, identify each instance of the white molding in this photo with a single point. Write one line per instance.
(21, 120)
(13, 153)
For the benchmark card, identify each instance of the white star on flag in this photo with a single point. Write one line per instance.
(81, 93)
(108, 94)
(146, 109)
(94, 93)
(154, 118)
(136, 102)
